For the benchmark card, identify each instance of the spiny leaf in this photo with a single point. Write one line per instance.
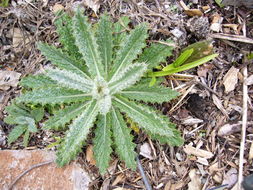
(26, 138)
(127, 77)
(144, 116)
(156, 54)
(104, 40)
(70, 80)
(53, 96)
(16, 132)
(76, 135)
(154, 94)
(16, 110)
(60, 59)
(37, 81)
(131, 48)
(64, 116)
(102, 142)
(123, 139)
(64, 29)
(87, 45)
(37, 114)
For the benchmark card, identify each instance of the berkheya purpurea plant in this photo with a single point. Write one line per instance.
(99, 79)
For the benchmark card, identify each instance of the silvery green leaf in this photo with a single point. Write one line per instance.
(127, 77)
(77, 134)
(70, 80)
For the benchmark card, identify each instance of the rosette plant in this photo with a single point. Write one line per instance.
(99, 80)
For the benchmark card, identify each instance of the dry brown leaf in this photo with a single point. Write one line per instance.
(93, 4)
(195, 183)
(230, 79)
(216, 23)
(202, 161)
(176, 186)
(18, 38)
(229, 129)
(145, 151)
(89, 155)
(121, 188)
(8, 79)
(219, 105)
(119, 178)
(190, 150)
(194, 12)
(57, 7)
(230, 178)
(191, 121)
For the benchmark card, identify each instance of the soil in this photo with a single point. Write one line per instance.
(202, 113)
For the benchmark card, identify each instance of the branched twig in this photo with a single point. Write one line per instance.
(26, 171)
(244, 125)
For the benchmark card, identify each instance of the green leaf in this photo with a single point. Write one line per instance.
(104, 40)
(123, 140)
(184, 67)
(16, 110)
(152, 82)
(64, 116)
(37, 114)
(76, 134)
(119, 30)
(64, 29)
(26, 138)
(132, 47)
(70, 80)
(37, 81)
(87, 45)
(63, 61)
(16, 132)
(52, 96)
(155, 94)
(102, 142)
(182, 58)
(156, 54)
(127, 77)
(145, 117)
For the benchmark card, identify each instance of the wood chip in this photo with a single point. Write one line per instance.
(219, 105)
(251, 151)
(190, 150)
(8, 79)
(145, 151)
(195, 183)
(120, 178)
(89, 155)
(249, 80)
(194, 12)
(57, 7)
(230, 79)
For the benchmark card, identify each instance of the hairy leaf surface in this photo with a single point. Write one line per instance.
(37, 81)
(60, 59)
(16, 132)
(154, 94)
(53, 96)
(70, 80)
(119, 30)
(144, 116)
(123, 139)
(127, 77)
(132, 47)
(104, 40)
(64, 116)
(76, 135)
(103, 142)
(87, 45)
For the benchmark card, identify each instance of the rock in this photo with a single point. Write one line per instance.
(49, 176)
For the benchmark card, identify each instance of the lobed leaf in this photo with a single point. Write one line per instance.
(104, 40)
(87, 45)
(63, 61)
(154, 94)
(103, 142)
(123, 139)
(145, 117)
(64, 116)
(131, 48)
(127, 77)
(53, 96)
(119, 30)
(77, 134)
(156, 54)
(70, 80)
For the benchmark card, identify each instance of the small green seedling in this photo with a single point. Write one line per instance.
(4, 3)
(25, 120)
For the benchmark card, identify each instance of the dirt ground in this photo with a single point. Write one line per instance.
(209, 112)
